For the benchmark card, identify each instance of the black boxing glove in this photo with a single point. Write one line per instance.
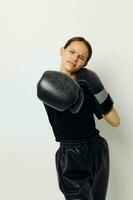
(103, 100)
(59, 91)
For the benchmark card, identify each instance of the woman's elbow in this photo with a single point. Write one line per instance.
(112, 118)
(116, 123)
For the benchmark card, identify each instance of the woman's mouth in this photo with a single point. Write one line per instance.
(72, 63)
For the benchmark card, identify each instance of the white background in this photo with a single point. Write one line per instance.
(31, 35)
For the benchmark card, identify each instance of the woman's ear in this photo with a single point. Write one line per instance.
(62, 51)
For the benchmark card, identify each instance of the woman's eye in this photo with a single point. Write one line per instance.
(82, 58)
(71, 51)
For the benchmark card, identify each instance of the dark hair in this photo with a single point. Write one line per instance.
(81, 39)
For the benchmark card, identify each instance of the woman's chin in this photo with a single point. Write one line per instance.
(70, 68)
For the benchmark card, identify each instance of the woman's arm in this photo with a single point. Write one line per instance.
(112, 118)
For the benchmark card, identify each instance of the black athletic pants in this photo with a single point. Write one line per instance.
(83, 168)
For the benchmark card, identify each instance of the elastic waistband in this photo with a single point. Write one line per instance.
(95, 139)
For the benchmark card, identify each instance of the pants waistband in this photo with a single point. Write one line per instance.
(95, 139)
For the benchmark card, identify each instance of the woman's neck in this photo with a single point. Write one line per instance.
(66, 72)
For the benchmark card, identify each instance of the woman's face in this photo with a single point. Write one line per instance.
(74, 56)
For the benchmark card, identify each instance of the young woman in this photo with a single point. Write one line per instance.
(71, 97)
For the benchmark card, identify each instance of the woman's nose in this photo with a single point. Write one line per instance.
(75, 57)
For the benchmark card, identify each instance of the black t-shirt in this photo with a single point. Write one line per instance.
(69, 126)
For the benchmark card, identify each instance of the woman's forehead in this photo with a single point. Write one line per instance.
(79, 47)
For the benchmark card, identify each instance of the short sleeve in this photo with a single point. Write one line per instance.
(97, 112)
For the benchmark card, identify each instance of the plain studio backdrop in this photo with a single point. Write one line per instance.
(31, 35)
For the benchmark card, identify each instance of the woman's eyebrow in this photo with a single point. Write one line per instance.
(76, 51)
